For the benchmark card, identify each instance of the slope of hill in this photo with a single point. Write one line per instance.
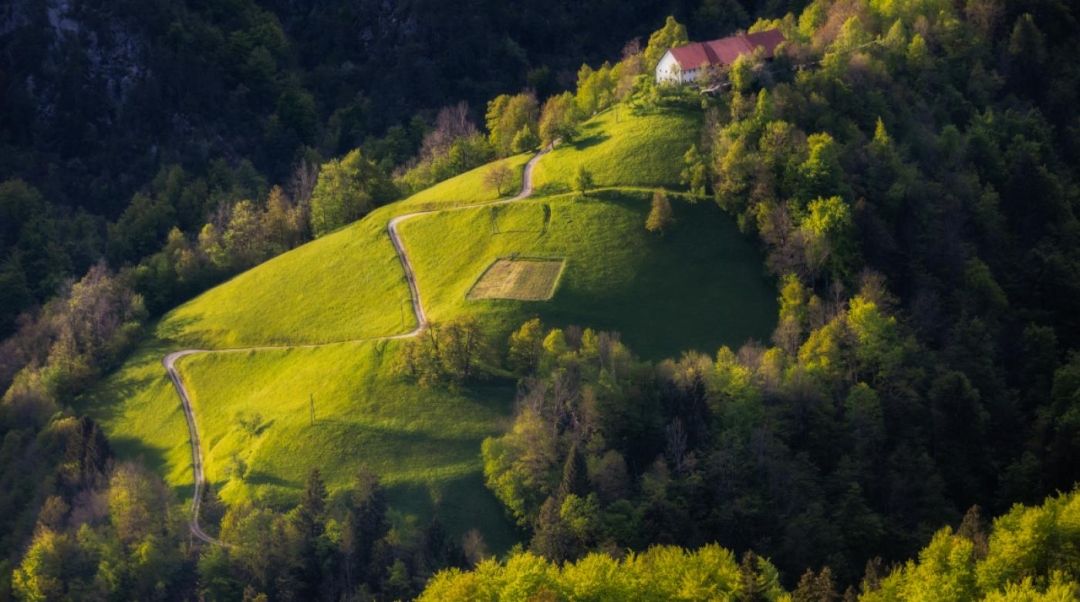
(698, 286)
(620, 147)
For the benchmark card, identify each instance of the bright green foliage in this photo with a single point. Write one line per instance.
(467, 187)
(463, 154)
(526, 345)
(829, 237)
(695, 174)
(558, 119)
(131, 554)
(525, 140)
(521, 467)
(1033, 554)
(659, 573)
(821, 170)
(945, 571)
(346, 190)
(507, 115)
(1034, 542)
(741, 73)
(596, 89)
(670, 35)
(46, 568)
(918, 57)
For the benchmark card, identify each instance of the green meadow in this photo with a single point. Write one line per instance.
(468, 187)
(423, 443)
(698, 286)
(622, 148)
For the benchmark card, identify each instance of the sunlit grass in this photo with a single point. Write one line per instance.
(621, 148)
(698, 286)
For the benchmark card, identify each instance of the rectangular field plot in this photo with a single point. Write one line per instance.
(520, 279)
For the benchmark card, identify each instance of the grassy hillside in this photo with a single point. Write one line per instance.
(621, 148)
(422, 442)
(346, 285)
(138, 407)
(468, 187)
(698, 286)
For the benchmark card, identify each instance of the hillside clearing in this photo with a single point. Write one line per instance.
(621, 148)
(316, 315)
(698, 287)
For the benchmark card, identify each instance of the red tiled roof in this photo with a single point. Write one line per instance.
(725, 50)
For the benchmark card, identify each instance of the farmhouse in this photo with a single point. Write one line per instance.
(685, 64)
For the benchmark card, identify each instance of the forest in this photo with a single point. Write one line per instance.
(909, 169)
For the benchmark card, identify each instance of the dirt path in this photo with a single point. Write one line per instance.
(169, 361)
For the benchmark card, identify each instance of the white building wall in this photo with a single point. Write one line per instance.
(668, 71)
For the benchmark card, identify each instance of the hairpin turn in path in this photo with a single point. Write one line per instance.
(169, 361)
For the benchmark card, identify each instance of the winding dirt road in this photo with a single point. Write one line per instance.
(169, 361)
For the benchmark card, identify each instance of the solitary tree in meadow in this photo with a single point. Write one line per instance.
(660, 216)
(498, 177)
(583, 180)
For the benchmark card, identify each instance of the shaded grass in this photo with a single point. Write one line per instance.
(620, 148)
(697, 287)
(139, 409)
(423, 443)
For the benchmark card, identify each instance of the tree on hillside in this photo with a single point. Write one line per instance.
(558, 119)
(525, 140)
(671, 34)
(346, 190)
(452, 123)
(498, 177)
(583, 180)
(526, 344)
(507, 115)
(694, 174)
(660, 215)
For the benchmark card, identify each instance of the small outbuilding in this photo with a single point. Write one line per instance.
(685, 64)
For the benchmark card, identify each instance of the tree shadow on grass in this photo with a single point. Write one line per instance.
(260, 478)
(551, 189)
(589, 141)
(136, 450)
(461, 504)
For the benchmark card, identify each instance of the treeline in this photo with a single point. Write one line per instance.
(224, 216)
(1029, 554)
(915, 194)
(918, 147)
(47, 452)
(119, 533)
(190, 83)
(214, 101)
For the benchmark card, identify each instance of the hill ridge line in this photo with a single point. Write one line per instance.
(169, 361)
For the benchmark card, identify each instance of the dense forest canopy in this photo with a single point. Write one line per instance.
(909, 168)
(148, 115)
